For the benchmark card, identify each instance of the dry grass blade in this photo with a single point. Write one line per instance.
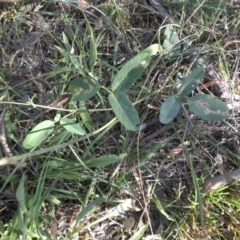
(3, 139)
(55, 104)
(122, 208)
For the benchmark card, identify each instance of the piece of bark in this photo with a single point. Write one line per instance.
(212, 184)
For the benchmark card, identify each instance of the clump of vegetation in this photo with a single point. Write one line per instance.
(118, 13)
(108, 130)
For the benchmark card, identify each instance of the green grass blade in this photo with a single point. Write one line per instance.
(93, 47)
(139, 234)
(198, 197)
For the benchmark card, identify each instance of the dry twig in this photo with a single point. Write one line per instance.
(212, 184)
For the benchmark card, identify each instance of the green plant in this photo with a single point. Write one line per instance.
(207, 107)
(80, 170)
(84, 87)
(203, 106)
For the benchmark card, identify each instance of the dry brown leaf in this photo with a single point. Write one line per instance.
(153, 107)
(54, 227)
(177, 150)
(83, 4)
(140, 136)
(85, 236)
(129, 223)
(207, 85)
(138, 177)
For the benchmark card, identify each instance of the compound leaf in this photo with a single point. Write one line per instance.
(38, 134)
(153, 49)
(83, 88)
(71, 126)
(130, 72)
(170, 109)
(124, 110)
(208, 107)
(171, 44)
(193, 79)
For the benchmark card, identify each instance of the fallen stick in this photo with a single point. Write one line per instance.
(212, 184)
